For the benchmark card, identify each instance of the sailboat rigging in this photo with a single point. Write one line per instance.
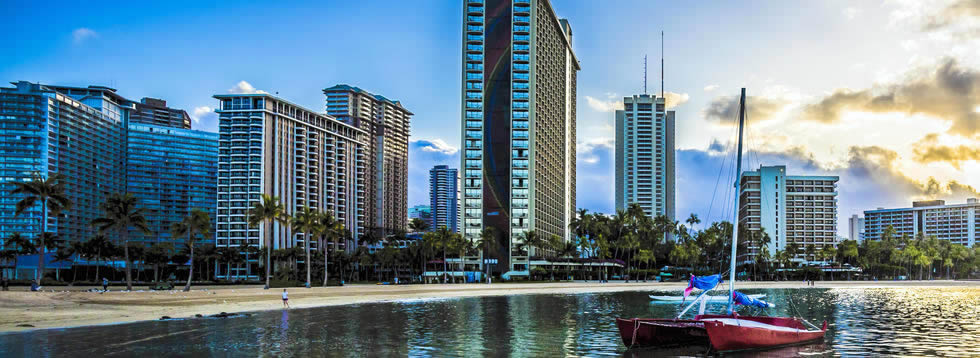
(722, 332)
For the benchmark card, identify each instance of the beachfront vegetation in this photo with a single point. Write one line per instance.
(266, 212)
(122, 212)
(642, 247)
(637, 241)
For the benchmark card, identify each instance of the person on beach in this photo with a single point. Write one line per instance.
(105, 284)
(285, 298)
(35, 286)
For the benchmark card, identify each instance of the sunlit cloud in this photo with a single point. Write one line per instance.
(710, 88)
(435, 146)
(947, 91)
(610, 104)
(244, 88)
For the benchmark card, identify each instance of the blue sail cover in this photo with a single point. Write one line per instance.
(702, 283)
(743, 299)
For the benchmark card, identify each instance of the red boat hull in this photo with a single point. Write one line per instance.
(722, 332)
(656, 332)
(729, 334)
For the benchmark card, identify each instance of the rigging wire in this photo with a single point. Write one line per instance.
(728, 159)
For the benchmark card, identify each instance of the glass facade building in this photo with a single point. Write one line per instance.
(518, 124)
(89, 135)
(443, 197)
(171, 170)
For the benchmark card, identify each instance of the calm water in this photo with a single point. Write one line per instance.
(920, 322)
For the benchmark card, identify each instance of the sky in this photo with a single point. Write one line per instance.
(885, 95)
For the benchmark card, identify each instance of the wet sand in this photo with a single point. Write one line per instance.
(59, 307)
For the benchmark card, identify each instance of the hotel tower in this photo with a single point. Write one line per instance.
(518, 124)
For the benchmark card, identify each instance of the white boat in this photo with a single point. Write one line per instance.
(706, 298)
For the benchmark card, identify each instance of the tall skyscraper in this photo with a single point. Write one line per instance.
(270, 146)
(172, 171)
(76, 132)
(387, 124)
(443, 200)
(645, 155)
(856, 228)
(102, 143)
(800, 210)
(518, 123)
(958, 223)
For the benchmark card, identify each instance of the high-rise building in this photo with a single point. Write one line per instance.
(76, 132)
(270, 146)
(172, 171)
(101, 143)
(387, 124)
(155, 111)
(423, 212)
(798, 210)
(645, 155)
(958, 223)
(518, 123)
(856, 228)
(443, 199)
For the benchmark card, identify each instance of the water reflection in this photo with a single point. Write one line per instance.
(863, 322)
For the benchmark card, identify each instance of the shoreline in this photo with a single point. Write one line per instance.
(73, 309)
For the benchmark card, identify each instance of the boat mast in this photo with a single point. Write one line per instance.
(738, 179)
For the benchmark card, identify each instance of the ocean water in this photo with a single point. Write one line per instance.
(863, 322)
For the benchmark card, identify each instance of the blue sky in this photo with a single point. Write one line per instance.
(812, 71)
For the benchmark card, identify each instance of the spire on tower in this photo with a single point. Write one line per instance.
(662, 66)
(644, 74)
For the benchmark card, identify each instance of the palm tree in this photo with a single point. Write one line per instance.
(96, 247)
(197, 221)
(267, 211)
(487, 240)
(445, 240)
(418, 225)
(330, 230)
(692, 220)
(62, 255)
(305, 222)
(19, 245)
(50, 193)
(121, 213)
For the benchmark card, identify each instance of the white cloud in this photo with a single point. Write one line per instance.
(710, 88)
(436, 146)
(609, 105)
(81, 34)
(851, 12)
(200, 112)
(244, 88)
(676, 99)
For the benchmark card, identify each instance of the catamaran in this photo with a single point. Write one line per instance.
(723, 332)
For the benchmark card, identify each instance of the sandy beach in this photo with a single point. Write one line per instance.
(71, 307)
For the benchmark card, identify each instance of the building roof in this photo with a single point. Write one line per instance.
(355, 89)
(960, 205)
(280, 99)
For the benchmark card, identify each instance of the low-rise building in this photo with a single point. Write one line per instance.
(957, 223)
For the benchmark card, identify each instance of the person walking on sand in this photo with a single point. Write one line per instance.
(105, 284)
(285, 298)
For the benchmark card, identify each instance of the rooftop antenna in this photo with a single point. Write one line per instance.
(662, 64)
(644, 74)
